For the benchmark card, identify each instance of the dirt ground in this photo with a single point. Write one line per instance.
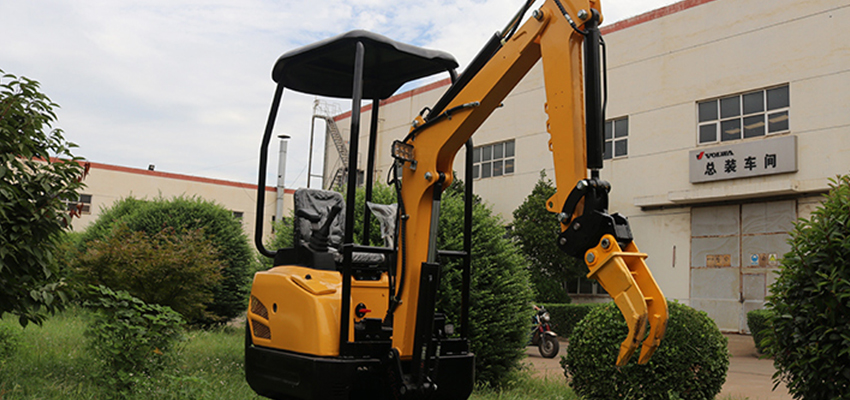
(748, 378)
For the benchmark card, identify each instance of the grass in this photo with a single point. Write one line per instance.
(47, 362)
(50, 362)
(527, 387)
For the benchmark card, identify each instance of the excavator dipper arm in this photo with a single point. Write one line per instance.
(562, 34)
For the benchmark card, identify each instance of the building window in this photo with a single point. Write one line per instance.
(238, 214)
(585, 286)
(83, 205)
(753, 114)
(491, 160)
(616, 138)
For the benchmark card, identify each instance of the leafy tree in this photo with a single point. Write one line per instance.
(171, 268)
(535, 230)
(38, 174)
(810, 301)
(190, 214)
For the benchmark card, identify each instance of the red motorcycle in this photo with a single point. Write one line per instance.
(542, 335)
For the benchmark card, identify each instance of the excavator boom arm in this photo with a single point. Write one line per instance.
(557, 34)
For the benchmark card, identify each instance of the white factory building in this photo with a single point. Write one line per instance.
(107, 183)
(726, 120)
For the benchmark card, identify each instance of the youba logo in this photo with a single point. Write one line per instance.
(716, 154)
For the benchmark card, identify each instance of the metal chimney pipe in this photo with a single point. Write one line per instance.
(281, 174)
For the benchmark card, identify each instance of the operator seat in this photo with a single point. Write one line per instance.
(319, 203)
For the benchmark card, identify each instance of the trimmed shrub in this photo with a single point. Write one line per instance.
(111, 216)
(189, 214)
(691, 362)
(500, 292)
(564, 317)
(759, 323)
(811, 303)
(135, 341)
(170, 268)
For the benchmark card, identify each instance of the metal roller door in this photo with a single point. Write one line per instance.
(734, 251)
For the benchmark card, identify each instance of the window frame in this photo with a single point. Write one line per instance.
(489, 158)
(614, 139)
(575, 287)
(741, 116)
(86, 205)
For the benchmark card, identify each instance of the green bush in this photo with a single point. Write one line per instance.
(499, 315)
(170, 268)
(111, 216)
(190, 214)
(759, 323)
(564, 317)
(135, 341)
(691, 362)
(811, 303)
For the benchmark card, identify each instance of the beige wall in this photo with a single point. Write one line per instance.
(659, 66)
(108, 183)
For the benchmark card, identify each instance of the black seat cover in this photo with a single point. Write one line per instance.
(318, 202)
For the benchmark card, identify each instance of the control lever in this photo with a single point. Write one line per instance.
(320, 236)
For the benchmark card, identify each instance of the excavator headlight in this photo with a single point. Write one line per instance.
(545, 317)
(402, 151)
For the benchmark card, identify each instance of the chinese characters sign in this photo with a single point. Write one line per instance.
(718, 260)
(743, 160)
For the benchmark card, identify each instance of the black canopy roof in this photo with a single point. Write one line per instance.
(326, 68)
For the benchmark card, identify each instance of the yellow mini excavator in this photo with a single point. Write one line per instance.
(334, 319)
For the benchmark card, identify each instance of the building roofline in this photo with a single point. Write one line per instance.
(652, 15)
(190, 178)
(617, 26)
(398, 97)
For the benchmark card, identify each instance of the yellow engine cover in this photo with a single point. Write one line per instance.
(298, 309)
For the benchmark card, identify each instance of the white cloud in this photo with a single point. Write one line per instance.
(185, 84)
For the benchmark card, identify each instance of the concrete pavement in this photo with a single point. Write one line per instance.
(748, 378)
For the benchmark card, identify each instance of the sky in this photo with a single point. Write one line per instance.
(186, 85)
